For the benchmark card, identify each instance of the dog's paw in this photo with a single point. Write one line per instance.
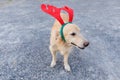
(67, 68)
(52, 64)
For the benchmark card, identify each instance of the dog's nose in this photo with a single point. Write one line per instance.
(86, 44)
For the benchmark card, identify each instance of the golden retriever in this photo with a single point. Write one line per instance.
(72, 36)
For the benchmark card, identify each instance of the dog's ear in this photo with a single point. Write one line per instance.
(57, 36)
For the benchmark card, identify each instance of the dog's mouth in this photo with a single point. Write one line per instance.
(77, 45)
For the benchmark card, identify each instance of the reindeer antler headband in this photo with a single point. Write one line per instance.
(55, 12)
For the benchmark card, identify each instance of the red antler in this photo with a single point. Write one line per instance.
(55, 12)
(70, 12)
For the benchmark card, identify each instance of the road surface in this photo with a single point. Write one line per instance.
(24, 41)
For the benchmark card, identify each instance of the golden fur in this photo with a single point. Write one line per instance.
(57, 44)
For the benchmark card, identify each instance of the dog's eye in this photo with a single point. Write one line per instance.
(73, 34)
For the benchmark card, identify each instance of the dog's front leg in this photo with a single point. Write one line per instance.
(53, 53)
(66, 65)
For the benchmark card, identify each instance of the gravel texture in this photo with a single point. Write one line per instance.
(24, 41)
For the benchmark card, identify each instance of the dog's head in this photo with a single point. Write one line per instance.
(71, 32)
(74, 37)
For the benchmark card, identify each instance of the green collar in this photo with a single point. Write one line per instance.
(61, 31)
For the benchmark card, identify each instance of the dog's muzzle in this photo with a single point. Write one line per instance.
(77, 46)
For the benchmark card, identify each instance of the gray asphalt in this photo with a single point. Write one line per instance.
(24, 41)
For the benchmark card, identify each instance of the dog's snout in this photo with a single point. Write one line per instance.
(86, 44)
